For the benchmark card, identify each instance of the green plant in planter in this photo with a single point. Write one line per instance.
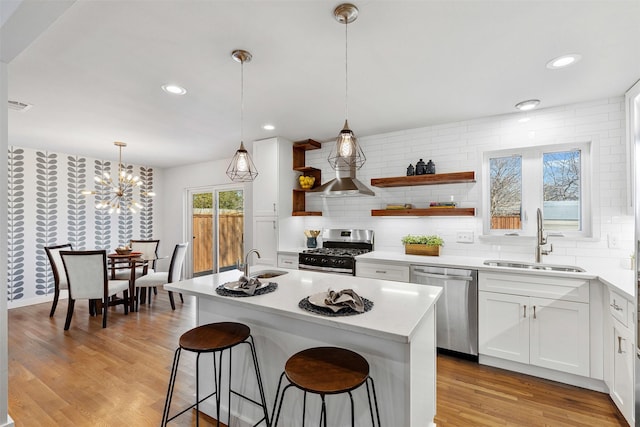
(432, 240)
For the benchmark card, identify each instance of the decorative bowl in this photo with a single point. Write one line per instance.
(123, 251)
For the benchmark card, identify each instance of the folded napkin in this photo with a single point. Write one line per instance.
(248, 285)
(337, 300)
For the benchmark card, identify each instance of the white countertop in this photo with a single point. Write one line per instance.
(398, 307)
(615, 277)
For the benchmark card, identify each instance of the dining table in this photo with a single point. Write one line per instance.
(129, 261)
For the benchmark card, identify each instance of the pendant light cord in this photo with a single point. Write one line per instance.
(241, 101)
(346, 71)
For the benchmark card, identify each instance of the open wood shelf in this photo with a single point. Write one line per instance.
(299, 165)
(427, 179)
(425, 212)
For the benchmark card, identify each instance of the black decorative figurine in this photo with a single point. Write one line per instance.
(410, 170)
(421, 168)
(431, 167)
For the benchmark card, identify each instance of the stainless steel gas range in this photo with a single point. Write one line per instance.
(338, 251)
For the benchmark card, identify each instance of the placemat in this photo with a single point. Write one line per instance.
(347, 311)
(222, 291)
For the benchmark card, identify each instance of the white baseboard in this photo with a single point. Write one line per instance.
(549, 374)
(9, 422)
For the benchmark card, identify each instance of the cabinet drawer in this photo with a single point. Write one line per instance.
(288, 261)
(399, 273)
(556, 288)
(619, 308)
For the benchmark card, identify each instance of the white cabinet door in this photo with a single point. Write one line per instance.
(559, 332)
(265, 240)
(622, 381)
(503, 326)
(265, 186)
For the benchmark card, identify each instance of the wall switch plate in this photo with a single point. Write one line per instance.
(464, 237)
(612, 241)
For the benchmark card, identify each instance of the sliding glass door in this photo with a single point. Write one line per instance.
(217, 229)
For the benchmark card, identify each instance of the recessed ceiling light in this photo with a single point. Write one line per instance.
(524, 119)
(268, 127)
(174, 89)
(527, 105)
(563, 61)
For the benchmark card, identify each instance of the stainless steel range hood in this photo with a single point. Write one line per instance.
(344, 184)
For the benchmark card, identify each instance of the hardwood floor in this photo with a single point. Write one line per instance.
(118, 376)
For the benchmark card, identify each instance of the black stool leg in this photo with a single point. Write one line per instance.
(353, 421)
(324, 412)
(275, 415)
(304, 408)
(172, 381)
(229, 384)
(198, 390)
(259, 379)
(219, 384)
(375, 401)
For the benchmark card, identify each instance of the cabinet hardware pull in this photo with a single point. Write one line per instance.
(620, 339)
(615, 306)
(525, 311)
(274, 225)
(274, 207)
(534, 312)
(381, 271)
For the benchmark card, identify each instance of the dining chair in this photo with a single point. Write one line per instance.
(149, 250)
(59, 275)
(160, 278)
(87, 279)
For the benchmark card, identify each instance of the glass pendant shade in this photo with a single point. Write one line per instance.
(346, 153)
(241, 168)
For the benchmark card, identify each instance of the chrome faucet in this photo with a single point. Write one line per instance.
(246, 261)
(541, 240)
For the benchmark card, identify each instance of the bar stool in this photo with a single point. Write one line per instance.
(214, 338)
(323, 371)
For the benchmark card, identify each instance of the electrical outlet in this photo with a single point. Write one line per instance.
(612, 241)
(464, 237)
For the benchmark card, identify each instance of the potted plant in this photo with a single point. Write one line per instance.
(422, 244)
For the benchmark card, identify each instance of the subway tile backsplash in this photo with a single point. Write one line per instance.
(456, 147)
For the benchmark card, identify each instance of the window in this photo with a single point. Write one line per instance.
(552, 178)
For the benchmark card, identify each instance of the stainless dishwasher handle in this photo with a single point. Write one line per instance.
(443, 276)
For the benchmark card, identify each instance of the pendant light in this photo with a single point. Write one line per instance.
(241, 168)
(117, 195)
(346, 154)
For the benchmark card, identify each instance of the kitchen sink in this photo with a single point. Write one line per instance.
(533, 266)
(268, 274)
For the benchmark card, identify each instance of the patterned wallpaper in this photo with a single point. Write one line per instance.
(46, 207)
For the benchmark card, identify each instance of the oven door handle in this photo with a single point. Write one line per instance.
(442, 276)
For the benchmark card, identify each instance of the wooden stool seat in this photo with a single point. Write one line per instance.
(214, 337)
(327, 370)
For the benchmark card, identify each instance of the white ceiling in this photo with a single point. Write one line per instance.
(94, 75)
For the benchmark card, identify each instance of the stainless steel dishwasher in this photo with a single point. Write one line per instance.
(457, 308)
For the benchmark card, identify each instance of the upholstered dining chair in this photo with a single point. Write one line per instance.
(160, 278)
(87, 279)
(59, 275)
(149, 250)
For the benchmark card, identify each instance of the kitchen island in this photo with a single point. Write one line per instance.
(397, 337)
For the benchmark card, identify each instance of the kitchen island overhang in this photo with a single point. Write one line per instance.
(397, 337)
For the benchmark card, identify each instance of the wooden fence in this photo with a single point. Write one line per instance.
(230, 240)
(505, 223)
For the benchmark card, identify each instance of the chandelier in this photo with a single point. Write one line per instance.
(241, 168)
(117, 192)
(346, 154)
